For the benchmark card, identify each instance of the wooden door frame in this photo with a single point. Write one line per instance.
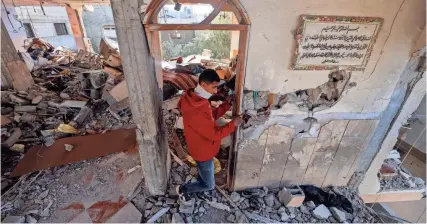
(153, 29)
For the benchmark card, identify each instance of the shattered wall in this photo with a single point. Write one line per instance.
(319, 123)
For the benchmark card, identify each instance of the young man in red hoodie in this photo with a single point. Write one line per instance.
(201, 132)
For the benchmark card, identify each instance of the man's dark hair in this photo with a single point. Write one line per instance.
(209, 76)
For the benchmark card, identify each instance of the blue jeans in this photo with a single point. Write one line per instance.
(205, 180)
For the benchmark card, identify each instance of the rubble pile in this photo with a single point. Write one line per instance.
(393, 176)
(331, 204)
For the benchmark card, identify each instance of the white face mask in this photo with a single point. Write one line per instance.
(202, 92)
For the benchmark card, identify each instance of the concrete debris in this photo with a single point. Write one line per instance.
(176, 218)
(269, 200)
(13, 219)
(284, 217)
(30, 219)
(37, 99)
(235, 197)
(231, 218)
(158, 215)
(43, 195)
(220, 206)
(321, 212)
(321, 97)
(311, 204)
(338, 214)
(188, 207)
(401, 179)
(304, 209)
(68, 147)
(292, 197)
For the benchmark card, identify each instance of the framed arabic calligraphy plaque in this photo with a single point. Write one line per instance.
(335, 42)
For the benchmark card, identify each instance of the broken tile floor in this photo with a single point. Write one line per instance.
(110, 189)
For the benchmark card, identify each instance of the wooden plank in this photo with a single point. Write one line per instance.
(214, 13)
(144, 94)
(159, 27)
(393, 196)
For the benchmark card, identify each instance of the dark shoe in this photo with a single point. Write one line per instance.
(204, 196)
(183, 197)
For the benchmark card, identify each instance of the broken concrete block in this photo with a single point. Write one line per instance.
(231, 218)
(52, 104)
(26, 117)
(68, 147)
(284, 217)
(304, 209)
(13, 138)
(114, 61)
(5, 120)
(127, 214)
(269, 200)
(188, 207)
(120, 109)
(64, 96)
(72, 103)
(112, 71)
(292, 197)
(18, 99)
(83, 114)
(30, 219)
(321, 212)
(25, 108)
(235, 197)
(218, 205)
(13, 219)
(120, 91)
(338, 214)
(37, 99)
(387, 171)
(176, 218)
(158, 215)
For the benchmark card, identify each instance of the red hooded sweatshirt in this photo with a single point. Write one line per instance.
(201, 132)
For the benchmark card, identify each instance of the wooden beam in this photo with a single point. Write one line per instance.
(215, 12)
(159, 27)
(237, 108)
(392, 196)
(145, 95)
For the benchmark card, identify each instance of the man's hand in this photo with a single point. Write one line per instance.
(237, 121)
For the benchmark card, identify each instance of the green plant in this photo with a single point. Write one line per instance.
(218, 41)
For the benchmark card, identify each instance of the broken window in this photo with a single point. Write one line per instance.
(61, 29)
(29, 30)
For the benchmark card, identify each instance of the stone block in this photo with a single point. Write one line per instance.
(292, 196)
(321, 212)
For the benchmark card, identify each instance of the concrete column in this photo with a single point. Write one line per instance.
(75, 16)
(14, 72)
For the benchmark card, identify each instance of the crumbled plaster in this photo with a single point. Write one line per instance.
(321, 97)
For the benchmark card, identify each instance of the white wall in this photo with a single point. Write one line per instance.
(14, 28)
(271, 46)
(42, 24)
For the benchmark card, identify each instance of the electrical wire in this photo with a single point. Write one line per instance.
(8, 18)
